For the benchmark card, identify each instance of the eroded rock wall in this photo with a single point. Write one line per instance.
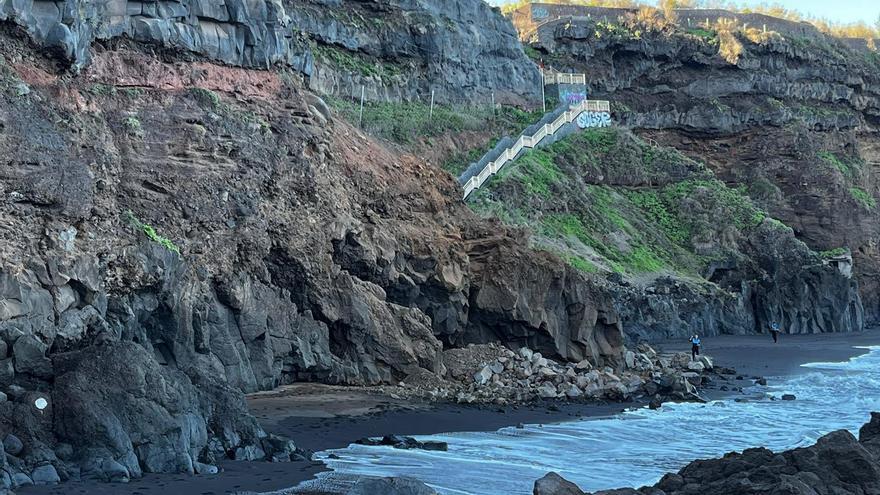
(462, 50)
(792, 120)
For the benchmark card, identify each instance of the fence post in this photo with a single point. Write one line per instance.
(543, 97)
(493, 106)
(431, 112)
(361, 112)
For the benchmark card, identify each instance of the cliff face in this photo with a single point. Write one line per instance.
(463, 50)
(197, 230)
(677, 250)
(791, 119)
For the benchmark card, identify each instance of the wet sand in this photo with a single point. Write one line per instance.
(757, 355)
(319, 417)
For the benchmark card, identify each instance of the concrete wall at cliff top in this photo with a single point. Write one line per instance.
(462, 49)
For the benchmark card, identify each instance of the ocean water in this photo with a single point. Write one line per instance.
(634, 448)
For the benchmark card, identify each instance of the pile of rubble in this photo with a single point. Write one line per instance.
(491, 373)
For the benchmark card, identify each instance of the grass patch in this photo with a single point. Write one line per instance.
(151, 233)
(848, 169)
(532, 53)
(707, 35)
(658, 211)
(863, 198)
(132, 92)
(581, 264)
(678, 219)
(102, 89)
(133, 126)
(459, 162)
(356, 63)
(833, 253)
(538, 173)
(601, 140)
(206, 97)
(405, 122)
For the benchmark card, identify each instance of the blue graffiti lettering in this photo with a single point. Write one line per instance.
(539, 13)
(573, 98)
(593, 119)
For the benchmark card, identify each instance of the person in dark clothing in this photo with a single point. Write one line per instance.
(695, 347)
(774, 330)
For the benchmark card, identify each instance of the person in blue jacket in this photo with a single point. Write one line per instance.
(695, 347)
(774, 330)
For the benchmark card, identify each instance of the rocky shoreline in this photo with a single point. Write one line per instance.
(837, 463)
(323, 417)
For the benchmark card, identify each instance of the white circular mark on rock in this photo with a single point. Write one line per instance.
(41, 403)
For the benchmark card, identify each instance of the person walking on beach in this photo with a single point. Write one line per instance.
(695, 347)
(774, 330)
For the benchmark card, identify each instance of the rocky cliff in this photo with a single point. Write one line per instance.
(463, 51)
(677, 250)
(791, 120)
(175, 232)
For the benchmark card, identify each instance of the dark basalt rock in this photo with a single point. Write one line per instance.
(459, 49)
(443, 52)
(400, 442)
(554, 484)
(391, 486)
(237, 32)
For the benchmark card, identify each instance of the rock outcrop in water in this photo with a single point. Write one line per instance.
(837, 463)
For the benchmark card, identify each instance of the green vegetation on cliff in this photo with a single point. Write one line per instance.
(604, 199)
(356, 62)
(151, 233)
(405, 122)
(863, 198)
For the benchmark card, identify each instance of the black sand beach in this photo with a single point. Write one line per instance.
(319, 417)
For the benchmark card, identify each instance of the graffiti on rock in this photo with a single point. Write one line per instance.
(573, 97)
(539, 13)
(593, 119)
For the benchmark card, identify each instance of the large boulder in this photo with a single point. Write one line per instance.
(391, 486)
(123, 408)
(30, 357)
(554, 484)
